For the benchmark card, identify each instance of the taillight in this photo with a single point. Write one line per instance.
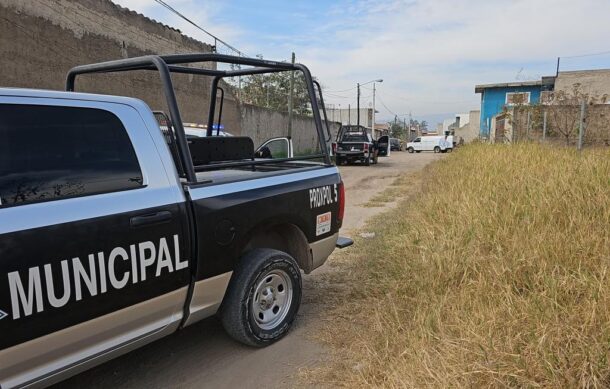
(341, 203)
(334, 148)
(366, 147)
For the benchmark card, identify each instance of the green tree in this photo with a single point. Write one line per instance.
(423, 125)
(272, 91)
(397, 130)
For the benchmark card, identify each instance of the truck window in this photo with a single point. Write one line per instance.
(49, 152)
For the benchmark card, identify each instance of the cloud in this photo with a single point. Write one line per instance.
(430, 53)
(206, 14)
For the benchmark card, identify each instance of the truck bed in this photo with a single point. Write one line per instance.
(248, 173)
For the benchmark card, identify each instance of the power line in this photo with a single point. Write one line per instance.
(382, 103)
(343, 90)
(586, 55)
(216, 39)
(337, 96)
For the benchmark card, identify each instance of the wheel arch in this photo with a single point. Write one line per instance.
(286, 237)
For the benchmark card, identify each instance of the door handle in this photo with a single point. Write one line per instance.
(146, 220)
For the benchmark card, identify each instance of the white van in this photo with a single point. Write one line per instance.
(437, 144)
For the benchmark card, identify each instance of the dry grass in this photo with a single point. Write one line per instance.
(395, 191)
(496, 275)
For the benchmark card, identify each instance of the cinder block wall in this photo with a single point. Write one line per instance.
(262, 124)
(595, 83)
(40, 40)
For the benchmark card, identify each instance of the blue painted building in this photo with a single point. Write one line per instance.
(494, 97)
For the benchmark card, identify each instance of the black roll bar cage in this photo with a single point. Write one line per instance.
(167, 64)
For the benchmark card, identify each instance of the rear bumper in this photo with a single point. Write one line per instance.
(352, 153)
(321, 250)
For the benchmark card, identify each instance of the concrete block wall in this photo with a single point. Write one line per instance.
(595, 83)
(40, 40)
(261, 124)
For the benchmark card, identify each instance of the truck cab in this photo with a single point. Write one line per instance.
(116, 228)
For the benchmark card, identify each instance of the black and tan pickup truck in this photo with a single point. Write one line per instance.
(355, 143)
(117, 229)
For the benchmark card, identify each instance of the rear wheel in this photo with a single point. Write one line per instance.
(410, 150)
(263, 298)
(437, 149)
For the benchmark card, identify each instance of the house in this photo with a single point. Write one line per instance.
(381, 129)
(494, 97)
(463, 126)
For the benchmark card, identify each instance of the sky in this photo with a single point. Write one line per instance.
(430, 53)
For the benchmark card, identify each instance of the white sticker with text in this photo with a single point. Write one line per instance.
(323, 223)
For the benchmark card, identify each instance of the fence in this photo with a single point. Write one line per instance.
(577, 125)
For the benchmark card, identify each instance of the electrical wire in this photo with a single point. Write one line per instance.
(216, 39)
(586, 55)
(385, 106)
(339, 91)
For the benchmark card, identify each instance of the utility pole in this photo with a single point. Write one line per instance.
(358, 107)
(373, 124)
(290, 97)
(349, 114)
(340, 115)
(239, 83)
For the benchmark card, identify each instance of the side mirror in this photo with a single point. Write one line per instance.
(263, 152)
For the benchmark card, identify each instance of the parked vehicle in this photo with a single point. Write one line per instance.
(355, 143)
(117, 229)
(383, 144)
(436, 144)
(395, 144)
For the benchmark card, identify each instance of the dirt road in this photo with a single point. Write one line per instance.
(203, 356)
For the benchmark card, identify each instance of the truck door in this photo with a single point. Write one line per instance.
(384, 145)
(418, 144)
(280, 147)
(92, 238)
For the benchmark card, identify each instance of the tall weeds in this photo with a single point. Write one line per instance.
(497, 274)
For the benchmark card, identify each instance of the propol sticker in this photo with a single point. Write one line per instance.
(323, 223)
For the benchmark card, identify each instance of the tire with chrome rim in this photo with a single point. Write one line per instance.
(263, 298)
